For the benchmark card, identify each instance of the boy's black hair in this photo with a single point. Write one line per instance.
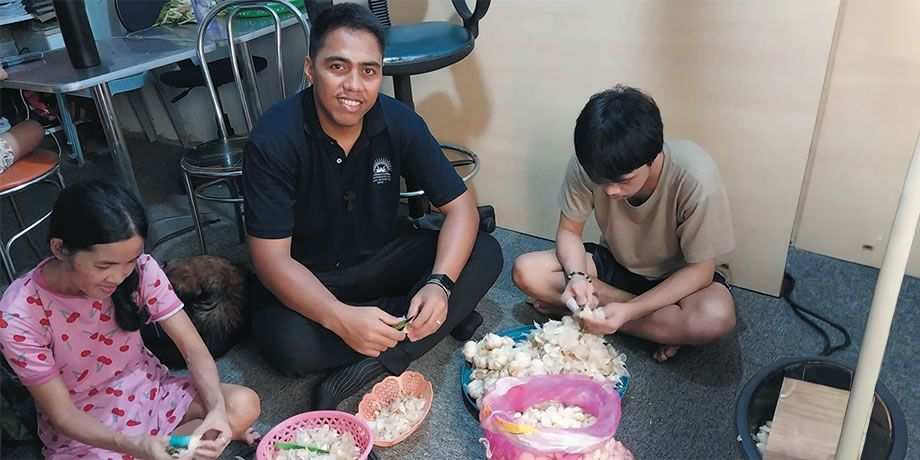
(618, 131)
(348, 15)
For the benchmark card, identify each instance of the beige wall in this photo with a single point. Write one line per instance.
(865, 140)
(743, 79)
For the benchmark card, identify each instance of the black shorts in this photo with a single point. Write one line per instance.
(611, 272)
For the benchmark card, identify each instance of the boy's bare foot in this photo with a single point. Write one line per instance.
(552, 311)
(665, 352)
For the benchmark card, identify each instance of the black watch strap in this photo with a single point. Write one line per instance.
(441, 280)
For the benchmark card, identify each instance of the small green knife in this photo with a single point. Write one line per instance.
(405, 322)
(295, 446)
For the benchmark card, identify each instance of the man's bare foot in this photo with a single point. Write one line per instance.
(552, 311)
(665, 352)
(251, 437)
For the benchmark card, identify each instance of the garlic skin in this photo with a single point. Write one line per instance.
(596, 314)
(397, 417)
(762, 436)
(556, 347)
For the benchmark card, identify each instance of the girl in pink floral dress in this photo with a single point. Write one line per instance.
(69, 329)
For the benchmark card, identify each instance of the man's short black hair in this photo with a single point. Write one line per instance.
(348, 15)
(618, 131)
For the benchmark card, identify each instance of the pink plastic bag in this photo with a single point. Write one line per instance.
(507, 440)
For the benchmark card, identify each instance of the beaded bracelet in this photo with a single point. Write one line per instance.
(571, 275)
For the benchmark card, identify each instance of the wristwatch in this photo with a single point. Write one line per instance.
(441, 280)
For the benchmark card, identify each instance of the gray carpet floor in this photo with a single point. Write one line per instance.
(683, 409)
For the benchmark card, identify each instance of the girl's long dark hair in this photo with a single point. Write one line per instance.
(98, 212)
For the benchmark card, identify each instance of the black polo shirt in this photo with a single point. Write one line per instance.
(338, 209)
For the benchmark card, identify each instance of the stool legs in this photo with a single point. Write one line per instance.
(7, 262)
(193, 203)
(233, 185)
(22, 224)
(402, 89)
(5, 246)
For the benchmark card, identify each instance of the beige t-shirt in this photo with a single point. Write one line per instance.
(686, 219)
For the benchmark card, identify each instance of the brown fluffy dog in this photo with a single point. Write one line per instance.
(214, 293)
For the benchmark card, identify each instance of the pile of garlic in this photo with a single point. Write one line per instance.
(395, 418)
(556, 347)
(553, 414)
(341, 446)
(762, 435)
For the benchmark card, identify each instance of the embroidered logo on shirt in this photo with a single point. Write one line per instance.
(381, 171)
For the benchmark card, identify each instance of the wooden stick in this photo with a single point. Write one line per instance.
(878, 327)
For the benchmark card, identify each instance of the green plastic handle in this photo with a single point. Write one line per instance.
(295, 446)
(180, 442)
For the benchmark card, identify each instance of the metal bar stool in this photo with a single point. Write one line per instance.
(31, 170)
(220, 162)
(414, 49)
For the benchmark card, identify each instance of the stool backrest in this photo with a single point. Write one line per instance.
(235, 7)
(381, 9)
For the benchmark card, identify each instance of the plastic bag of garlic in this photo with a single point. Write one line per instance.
(551, 417)
(556, 347)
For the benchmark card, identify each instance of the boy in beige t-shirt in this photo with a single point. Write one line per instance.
(664, 219)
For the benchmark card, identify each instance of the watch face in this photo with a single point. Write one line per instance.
(443, 279)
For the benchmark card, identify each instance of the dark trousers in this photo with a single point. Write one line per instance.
(296, 345)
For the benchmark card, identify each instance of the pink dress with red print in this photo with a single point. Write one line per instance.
(109, 372)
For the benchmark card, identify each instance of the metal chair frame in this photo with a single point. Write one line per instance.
(229, 174)
(380, 9)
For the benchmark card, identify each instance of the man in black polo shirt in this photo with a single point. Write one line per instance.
(338, 269)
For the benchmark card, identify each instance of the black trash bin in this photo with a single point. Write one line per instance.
(887, 434)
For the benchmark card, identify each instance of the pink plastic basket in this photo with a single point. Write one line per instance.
(343, 422)
(409, 383)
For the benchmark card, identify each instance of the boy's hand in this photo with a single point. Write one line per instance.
(581, 290)
(429, 308)
(368, 330)
(616, 315)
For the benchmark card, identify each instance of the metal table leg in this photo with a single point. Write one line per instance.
(115, 137)
(70, 130)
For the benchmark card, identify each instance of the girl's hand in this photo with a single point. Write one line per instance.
(151, 448)
(213, 435)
